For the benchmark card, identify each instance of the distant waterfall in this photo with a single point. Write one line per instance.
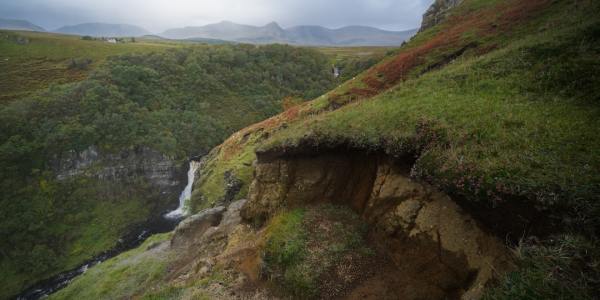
(186, 194)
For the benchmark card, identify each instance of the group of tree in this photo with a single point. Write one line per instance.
(180, 102)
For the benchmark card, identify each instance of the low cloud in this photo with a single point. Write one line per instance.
(158, 15)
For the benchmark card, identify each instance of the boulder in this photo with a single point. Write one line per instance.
(191, 230)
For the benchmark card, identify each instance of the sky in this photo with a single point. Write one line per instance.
(159, 15)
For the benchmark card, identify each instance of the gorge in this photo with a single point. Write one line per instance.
(460, 165)
(133, 239)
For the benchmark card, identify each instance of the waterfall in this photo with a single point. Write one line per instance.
(186, 194)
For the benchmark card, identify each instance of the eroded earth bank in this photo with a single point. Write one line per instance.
(328, 224)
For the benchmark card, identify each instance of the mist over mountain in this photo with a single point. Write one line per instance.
(11, 24)
(226, 31)
(299, 35)
(103, 29)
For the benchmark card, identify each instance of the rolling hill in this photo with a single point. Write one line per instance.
(103, 29)
(10, 24)
(299, 35)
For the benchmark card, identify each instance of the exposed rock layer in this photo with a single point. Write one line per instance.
(134, 166)
(441, 251)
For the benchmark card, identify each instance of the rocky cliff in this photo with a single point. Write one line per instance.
(437, 12)
(438, 250)
(129, 166)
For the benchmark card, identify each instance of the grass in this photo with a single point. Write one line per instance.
(518, 121)
(304, 245)
(43, 61)
(501, 121)
(83, 234)
(564, 267)
(122, 277)
(337, 54)
(212, 177)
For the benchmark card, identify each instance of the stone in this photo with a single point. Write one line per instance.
(191, 230)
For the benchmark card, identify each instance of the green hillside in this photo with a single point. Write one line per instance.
(33, 61)
(490, 115)
(180, 102)
(498, 105)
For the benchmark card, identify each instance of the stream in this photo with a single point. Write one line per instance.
(135, 238)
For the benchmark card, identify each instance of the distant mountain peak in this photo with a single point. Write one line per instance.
(298, 35)
(273, 24)
(12, 24)
(103, 29)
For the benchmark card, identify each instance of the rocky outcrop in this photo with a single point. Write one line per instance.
(191, 229)
(437, 12)
(159, 170)
(438, 249)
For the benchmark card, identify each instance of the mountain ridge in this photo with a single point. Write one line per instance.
(311, 35)
(15, 24)
(103, 29)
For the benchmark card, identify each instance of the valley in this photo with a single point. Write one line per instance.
(462, 164)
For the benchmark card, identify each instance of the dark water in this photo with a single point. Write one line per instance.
(132, 240)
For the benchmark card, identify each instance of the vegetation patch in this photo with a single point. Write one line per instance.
(562, 267)
(34, 61)
(176, 102)
(305, 247)
(123, 276)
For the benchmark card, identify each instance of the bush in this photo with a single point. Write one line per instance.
(79, 64)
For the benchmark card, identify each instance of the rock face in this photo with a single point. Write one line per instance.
(191, 229)
(160, 171)
(439, 250)
(437, 12)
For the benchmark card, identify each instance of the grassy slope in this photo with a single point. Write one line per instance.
(128, 274)
(71, 216)
(499, 104)
(514, 115)
(43, 61)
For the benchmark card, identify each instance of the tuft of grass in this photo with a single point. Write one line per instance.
(305, 244)
(563, 267)
(168, 293)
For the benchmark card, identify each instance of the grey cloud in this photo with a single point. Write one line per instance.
(157, 15)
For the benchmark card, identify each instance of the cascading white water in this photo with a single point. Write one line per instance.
(186, 194)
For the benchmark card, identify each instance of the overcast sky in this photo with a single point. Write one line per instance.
(158, 15)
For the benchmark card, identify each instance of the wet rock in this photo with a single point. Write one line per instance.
(191, 230)
(232, 187)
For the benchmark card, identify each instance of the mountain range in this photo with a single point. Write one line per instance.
(103, 29)
(11, 24)
(233, 32)
(299, 35)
